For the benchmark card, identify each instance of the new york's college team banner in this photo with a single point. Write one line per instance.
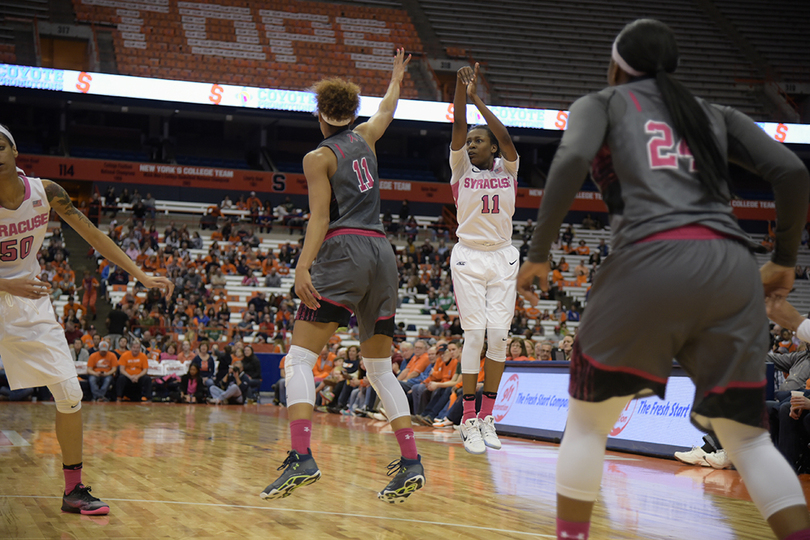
(236, 180)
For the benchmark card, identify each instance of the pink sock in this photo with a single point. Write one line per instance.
(469, 408)
(73, 477)
(799, 535)
(407, 443)
(300, 433)
(487, 402)
(568, 530)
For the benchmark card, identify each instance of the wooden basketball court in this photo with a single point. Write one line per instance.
(196, 471)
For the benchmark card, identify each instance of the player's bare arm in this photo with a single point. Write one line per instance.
(61, 203)
(463, 77)
(316, 169)
(498, 129)
(374, 128)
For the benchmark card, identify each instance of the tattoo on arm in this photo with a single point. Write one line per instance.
(57, 196)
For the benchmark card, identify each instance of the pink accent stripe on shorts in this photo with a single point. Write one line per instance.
(624, 369)
(749, 385)
(358, 232)
(687, 232)
(335, 303)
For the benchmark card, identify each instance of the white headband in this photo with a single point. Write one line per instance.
(336, 123)
(7, 133)
(622, 64)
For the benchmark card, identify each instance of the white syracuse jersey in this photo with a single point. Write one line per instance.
(22, 232)
(485, 200)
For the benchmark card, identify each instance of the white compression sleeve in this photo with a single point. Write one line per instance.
(67, 395)
(496, 344)
(471, 353)
(298, 373)
(382, 379)
(771, 482)
(582, 452)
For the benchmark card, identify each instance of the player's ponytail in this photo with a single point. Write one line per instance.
(648, 47)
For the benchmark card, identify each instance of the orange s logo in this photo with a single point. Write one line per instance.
(562, 120)
(781, 133)
(83, 85)
(216, 94)
(450, 110)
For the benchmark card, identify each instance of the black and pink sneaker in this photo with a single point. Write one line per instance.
(79, 501)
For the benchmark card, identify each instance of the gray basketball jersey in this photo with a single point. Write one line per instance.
(647, 176)
(355, 184)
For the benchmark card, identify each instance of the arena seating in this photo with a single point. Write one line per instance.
(778, 31)
(542, 53)
(18, 10)
(412, 311)
(267, 44)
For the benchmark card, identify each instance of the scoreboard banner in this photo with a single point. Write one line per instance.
(240, 180)
(217, 94)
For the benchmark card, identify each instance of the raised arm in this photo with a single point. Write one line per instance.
(316, 170)
(374, 128)
(463, 78)
(60, 201)
(498, 129)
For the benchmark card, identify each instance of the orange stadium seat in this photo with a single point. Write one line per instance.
(168, 52)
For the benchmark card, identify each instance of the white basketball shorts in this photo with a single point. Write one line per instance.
(485, 284)
(32, 344)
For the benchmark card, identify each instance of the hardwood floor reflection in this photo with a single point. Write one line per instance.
(185, 471)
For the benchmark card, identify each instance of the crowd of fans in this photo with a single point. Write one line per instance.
(428, 370)
(196, 322)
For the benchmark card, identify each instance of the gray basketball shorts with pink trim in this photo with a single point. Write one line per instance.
(355, 272)
(699, 302)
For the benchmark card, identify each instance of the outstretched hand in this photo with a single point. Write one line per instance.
(525, 279)
(782, 313)
(469, 77)
(165, 285)
(777, 280)
(400, 63)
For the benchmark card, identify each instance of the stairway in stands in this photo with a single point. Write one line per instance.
(79, 262)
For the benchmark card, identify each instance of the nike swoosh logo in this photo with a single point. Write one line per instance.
(513, 262)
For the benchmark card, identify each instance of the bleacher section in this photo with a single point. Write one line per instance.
(412, 311)
(778, 31)
(543, 53)
(266, 44)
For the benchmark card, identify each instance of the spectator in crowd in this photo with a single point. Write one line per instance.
(117, 324)
(150, 205)
(445, 369)
(567, 346)
(192, 388)
(230, 388)
(419, 363)
(101, 368)
(252, 368)
(543, 351)
(78, 352)
(272, 279)
(132, 374)
(71, 332)
(518, 351)
(205, 363)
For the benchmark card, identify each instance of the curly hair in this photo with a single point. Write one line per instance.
(337, 98)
